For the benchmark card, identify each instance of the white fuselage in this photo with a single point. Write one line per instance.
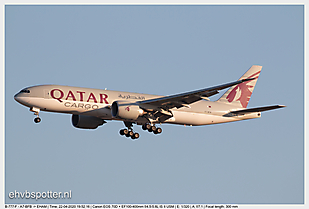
(96, 102)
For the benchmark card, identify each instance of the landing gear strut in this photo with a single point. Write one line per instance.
(129, 132)
(152, 128)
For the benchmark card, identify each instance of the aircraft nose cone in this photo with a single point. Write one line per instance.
(16, 97)
(21, 99)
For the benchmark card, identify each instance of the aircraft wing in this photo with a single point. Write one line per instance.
(185, 99)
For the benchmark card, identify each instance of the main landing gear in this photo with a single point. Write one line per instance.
(152, 128)
(129, 131)
(36, 112)
(134, 135)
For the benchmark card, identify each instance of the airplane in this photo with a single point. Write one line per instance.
(90, 108)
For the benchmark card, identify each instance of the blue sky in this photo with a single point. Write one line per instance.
(157, 50)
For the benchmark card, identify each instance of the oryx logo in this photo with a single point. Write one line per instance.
(127, 108)
(244, 90)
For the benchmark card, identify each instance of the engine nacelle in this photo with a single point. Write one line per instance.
(126, 110)
(86, 122)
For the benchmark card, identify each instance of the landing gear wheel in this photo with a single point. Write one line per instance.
(136, 135)
(151, 128)
(144, 127)
(129, 134)
(37, 120)
(148, 126)
(125, 131)
(158, 131)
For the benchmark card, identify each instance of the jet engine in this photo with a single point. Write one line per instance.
(86, 122)
(126, 110)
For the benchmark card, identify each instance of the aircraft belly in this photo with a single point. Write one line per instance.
(197, 119)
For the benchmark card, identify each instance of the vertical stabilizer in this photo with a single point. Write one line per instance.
(240, 94)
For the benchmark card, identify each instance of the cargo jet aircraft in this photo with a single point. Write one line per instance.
(91, 107)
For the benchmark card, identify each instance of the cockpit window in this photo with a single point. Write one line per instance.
(25, 91)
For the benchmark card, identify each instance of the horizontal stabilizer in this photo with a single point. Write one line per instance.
(252, 110)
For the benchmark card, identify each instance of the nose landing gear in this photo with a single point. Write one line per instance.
(36, 112)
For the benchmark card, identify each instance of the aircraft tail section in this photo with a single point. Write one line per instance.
(240, 94)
